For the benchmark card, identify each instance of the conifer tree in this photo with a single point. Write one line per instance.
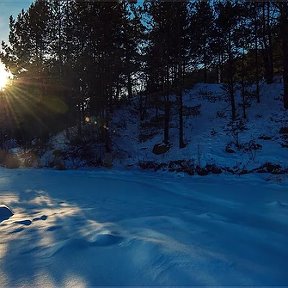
(283, 21)
(202, 33)
(227, 23)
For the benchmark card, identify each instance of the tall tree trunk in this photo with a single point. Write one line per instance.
(256, 56)
(232, 98)
(79, 113)
(270, 46)
(181, 126)
(59, 39)
(205, 66)
(267, 42)
(167, 109)
(284, 33)
(129, 85)
(180, 105)
(243, 85)
(110, 97)
(166, 120)
(117, 96)
(141, 110)
(231, 72)
(219, 69)
(257, 75)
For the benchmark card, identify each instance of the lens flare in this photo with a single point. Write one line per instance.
(4, 77)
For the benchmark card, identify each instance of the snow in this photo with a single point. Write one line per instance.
(117, 227)
(208, 134)
(123, 226)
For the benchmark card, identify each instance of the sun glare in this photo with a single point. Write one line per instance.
(4, 77)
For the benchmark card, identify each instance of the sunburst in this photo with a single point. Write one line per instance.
(5, 77)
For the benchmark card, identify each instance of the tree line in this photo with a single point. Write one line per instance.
(74, 61)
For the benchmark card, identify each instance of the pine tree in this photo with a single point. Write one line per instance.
(202, 33)
(26, 56)
(133, 31)
(227, 23)
(179, 57)
(283, 21)
(159, 37)
(244, 38)
(254, 16)
(267, 44)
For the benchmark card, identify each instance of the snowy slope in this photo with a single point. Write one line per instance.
(87, 228)
(208, 134)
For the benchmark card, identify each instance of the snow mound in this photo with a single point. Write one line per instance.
(5, 213)
(278, 204)
(106, 238)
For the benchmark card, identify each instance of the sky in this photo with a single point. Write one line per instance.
(7, 8)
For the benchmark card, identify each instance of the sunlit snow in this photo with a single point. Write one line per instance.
(87, 228)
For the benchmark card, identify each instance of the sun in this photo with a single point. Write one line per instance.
(5, 77)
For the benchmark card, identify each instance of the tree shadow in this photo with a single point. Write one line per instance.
(59, 238)
(69, 229)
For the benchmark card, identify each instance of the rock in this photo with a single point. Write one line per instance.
(152, 165)
(265, 137)
(243, 172)
(284, 130)
(273, 168)
(5, 213)
(270, 168)
(181, 166)
(188, 170)
(201, 171)
(251, 146)
(228, 149)
(212, 168)
(147, 165)
(160, 149)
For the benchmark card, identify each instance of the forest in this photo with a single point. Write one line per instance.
(75, 62)
(144, 143)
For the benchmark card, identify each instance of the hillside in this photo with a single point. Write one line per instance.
(214, 144)
(211, 138)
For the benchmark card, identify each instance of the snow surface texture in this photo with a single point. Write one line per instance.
(86, 228)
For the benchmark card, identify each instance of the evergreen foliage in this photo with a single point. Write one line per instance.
(73, 59)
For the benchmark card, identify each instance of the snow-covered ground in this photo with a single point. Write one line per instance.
(208, 134)
(112, 227)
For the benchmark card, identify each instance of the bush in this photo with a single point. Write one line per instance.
(160, 148)
(30, 159)
(284, 130)
(3, 155)
(11, 162)
(270, 168)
